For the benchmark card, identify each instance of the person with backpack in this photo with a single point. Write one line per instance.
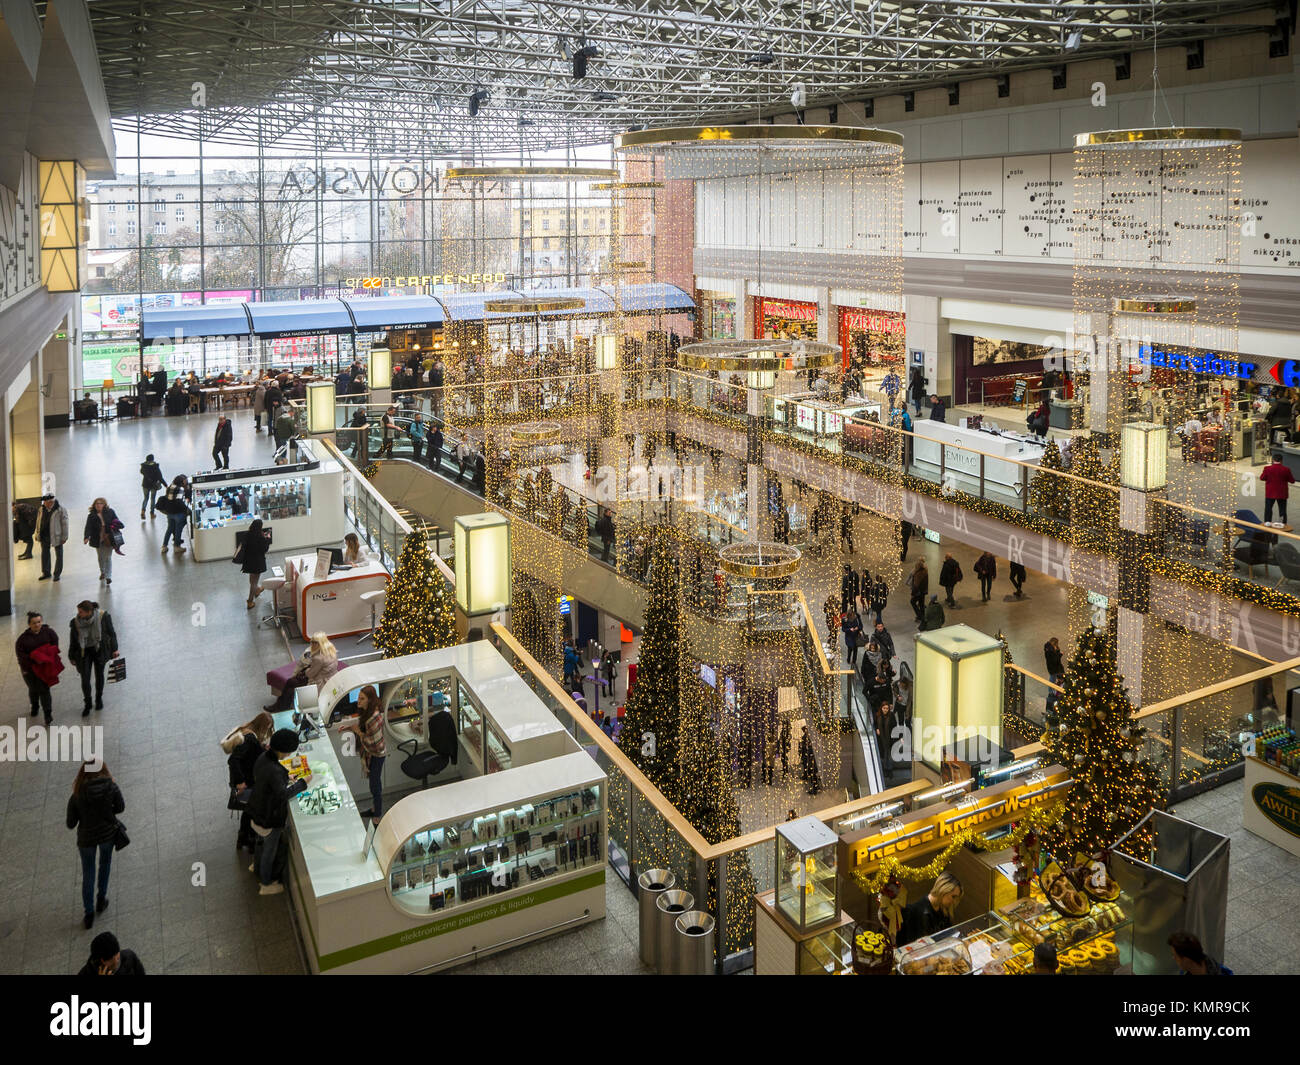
(152, 482)
(93, 806)
(950, 575)
(268, 806)
(986, 569)
(92, 642)
(919, 583)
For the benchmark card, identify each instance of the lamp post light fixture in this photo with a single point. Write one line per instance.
(1144, 456)
(606, 351)
(482, 545)
(379, 374)
(320, 407)
(959, 692)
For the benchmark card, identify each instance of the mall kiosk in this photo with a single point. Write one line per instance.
(507, 843)
(301, 503)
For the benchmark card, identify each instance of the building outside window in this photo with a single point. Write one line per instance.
(130, 228)
(130, 206)
(160, 226)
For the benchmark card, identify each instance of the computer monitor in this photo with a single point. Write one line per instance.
(336, 557)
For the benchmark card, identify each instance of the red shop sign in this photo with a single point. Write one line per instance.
(789, 309)
(872, 321)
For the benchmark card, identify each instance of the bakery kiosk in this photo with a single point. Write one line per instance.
(331, 602)
(301, 503)
(507, 844)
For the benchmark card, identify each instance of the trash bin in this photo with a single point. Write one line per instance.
(1182, 888)
(650, 885)
(668, 907)
(692, 949)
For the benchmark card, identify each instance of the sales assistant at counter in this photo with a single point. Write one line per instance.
(932, 914)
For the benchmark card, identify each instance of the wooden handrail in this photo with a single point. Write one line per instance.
(1218, 688)
(1034, 676)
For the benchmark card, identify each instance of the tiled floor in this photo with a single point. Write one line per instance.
(180, 896)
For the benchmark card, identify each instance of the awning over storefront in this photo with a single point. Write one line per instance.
(300, 319)
(179, 324)
(378, 313)
(653, 298)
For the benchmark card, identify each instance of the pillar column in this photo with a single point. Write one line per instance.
(56, 364)
(755, 490)
(27, 433)
(7, 528)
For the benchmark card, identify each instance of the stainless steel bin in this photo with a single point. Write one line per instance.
(650, 885)
(668, 907)
(692, 945)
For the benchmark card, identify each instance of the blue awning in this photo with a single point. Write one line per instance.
(299, 319)
(377, 313)
(655, 298)
(468, 306)
(179, 324)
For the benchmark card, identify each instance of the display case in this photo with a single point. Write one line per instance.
(301, 503)
(807, 889)
(468, 858)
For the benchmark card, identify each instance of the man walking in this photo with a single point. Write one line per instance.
(221, 442)
(51, 534)
(37, 634)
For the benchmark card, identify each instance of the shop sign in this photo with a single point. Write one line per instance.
(872, 321)
(986, 810)
(1280, 804)
(1212, 364)
(806, 417)
(427, 279)
(566, 604)
(793, 310)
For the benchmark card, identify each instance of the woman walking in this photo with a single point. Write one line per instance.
(251, 558)
(369, 730)
(919, 582)
(92, 641)
(93, 807)
(986, 569)
(99, 533)
(152, 482)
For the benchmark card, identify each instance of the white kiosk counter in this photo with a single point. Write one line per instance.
(302, 504)
(1269, 804)
(461, 869)
(333, 604)
(955, 446)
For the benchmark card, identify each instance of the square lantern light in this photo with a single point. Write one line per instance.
(1144, 456)
(482, 543)
(320, 407)
(959, 692)
(606, 351)
(379, 374)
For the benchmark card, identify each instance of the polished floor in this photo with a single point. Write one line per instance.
(179, 895)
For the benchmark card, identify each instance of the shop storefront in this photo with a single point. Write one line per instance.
(784, 319)
(874, 342)
(999, 373)
(718, 315)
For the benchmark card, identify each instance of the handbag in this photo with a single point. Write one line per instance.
(116, 537)
(238, 557)
(117, 669)
(120, 838)
(239, 798)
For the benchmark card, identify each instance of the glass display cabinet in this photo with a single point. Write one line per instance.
(807, 890)
(465, 859)
(215, 508)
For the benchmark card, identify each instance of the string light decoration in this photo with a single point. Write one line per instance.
(1090, 730)
(1157, 246)
(419, 609)
(1049, 495)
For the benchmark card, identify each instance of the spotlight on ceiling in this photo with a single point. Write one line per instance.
(605, 97)
(799, 95)
(1073, 41)
(524, 123)
(580, 57)
(760, 59)
(477, 99)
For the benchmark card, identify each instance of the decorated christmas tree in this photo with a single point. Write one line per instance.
(1091, 732)
(419, 612)
(1049, 495)
(1090, 502)
(652, 718)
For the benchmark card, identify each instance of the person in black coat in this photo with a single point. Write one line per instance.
(916, 386)
(434, 457)
(268, 806)
(850, 585)
(949, 577)
(937, 409)
(905, 530)
(221, 442)
(24, 526)
(851, 626)
(93, 807)
(240, 765)
(87, 655)
(932, 914)
(879, 597)
(1016, 573)
(109, 958)
(152, 482)
(251, 556)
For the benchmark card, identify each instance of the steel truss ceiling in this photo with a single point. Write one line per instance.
(391, 76)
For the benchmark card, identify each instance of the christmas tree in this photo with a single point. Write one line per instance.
(1091, 503)
(652, 718)
(419, 613)
(1049, 495)
(1090, 731)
